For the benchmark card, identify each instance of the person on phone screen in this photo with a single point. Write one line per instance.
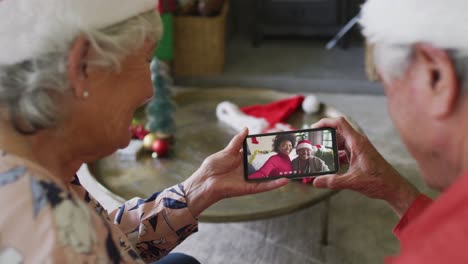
(423, 66)
(306, 162)
(280, 163)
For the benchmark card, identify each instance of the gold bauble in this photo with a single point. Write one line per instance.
(148, 141)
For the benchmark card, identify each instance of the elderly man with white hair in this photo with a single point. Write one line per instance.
(306, 162)
(421, 49)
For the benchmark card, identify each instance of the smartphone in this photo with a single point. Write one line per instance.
(290, 154)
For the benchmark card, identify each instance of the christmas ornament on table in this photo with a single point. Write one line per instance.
(138, 129)
(160, 147)
(160, 110)
(148, 141)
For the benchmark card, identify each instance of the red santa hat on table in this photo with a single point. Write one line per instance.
(304, 144)
(268, 117)
(31, 27)
(441, 23)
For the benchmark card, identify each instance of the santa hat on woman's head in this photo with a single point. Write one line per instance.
(304, 144)
(33, 27)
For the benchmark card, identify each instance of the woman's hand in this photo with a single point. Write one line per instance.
(369, 173)
(220, 176)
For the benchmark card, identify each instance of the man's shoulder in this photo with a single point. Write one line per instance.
(453, 201)
(316, 160)
(440, 232)
(449, 206)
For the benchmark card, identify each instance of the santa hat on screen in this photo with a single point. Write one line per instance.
(268, 117)
(29, 28)
(304, 144)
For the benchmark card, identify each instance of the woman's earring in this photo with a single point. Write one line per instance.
(85, 94)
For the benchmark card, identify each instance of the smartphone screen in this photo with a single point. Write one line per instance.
(291, 154)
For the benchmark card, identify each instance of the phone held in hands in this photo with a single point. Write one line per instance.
(290, 154)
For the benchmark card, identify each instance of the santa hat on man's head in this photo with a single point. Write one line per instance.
(400, 22)
(29, 28)
(304, 144)
(267, 117)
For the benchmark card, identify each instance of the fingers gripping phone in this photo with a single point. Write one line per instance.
(291, 154)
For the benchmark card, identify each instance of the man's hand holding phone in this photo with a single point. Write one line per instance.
(369, 173)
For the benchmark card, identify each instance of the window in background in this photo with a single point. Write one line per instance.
(327, 139)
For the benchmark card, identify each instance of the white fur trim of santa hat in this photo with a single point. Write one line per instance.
(231, 115)
(31, 27)
(440, 23)
(304, 144)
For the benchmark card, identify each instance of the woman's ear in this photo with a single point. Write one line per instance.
(441, 78)
(77, 67)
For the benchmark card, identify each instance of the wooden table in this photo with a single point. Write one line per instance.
(200, 134)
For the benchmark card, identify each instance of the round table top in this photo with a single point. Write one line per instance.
(199, 134)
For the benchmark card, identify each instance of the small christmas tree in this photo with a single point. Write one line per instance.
(160, 110)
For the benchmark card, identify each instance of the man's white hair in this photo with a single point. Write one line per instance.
(395, 26)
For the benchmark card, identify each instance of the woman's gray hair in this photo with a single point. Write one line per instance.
(29, 89)
(393, 61)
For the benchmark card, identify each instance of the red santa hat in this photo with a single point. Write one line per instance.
(304, 144)
(275, 112)
(32, 27)
(267, 117)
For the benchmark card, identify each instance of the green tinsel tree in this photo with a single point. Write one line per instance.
(160, 109)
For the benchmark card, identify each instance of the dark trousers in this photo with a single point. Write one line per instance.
(177, 258)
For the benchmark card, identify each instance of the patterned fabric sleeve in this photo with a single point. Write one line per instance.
(154, 226)
(157, 224)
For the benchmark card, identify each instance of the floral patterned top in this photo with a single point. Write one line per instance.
(46, 221)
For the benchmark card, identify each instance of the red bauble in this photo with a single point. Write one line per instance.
(161, 147)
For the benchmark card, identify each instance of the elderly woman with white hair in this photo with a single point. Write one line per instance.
(421, 54)
(72, 72)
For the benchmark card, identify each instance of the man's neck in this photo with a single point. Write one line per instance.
(455, 150)
(463, 156)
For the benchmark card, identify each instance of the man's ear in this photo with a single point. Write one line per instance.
(77, 67)
(441, 77)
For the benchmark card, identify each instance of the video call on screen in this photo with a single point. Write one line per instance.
(293, 154)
